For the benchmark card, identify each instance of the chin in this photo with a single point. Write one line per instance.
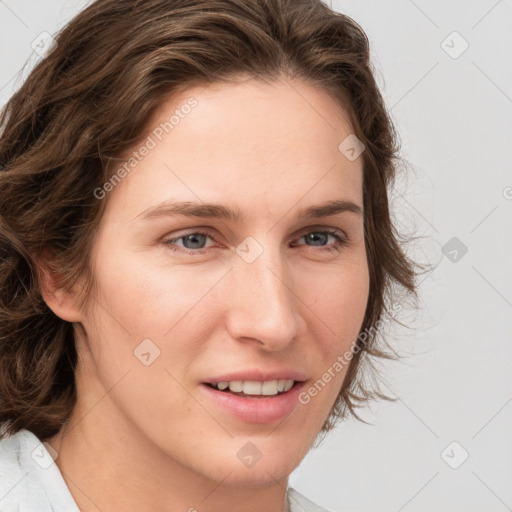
(249, 467)
(257, 477)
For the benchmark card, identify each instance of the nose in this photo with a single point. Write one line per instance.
(263, 305)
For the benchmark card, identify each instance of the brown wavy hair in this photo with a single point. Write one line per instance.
(88, 101)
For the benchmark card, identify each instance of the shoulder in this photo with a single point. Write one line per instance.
(11, 471)
(300, 503)
(29, 479)
(15, 481)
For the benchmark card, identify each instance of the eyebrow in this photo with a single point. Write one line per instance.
(218, 211)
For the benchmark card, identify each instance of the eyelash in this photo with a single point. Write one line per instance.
(341, 240)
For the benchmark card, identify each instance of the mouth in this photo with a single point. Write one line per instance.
(254, 389)
(251, 401)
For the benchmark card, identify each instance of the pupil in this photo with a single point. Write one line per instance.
(315, 237)
(194, 239)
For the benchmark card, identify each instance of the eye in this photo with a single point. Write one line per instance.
(320, 239)
(195, 242)
(192, 241)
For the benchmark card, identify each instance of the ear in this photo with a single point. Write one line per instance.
(63, 303)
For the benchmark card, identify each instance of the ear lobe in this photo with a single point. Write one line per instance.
(63, 303)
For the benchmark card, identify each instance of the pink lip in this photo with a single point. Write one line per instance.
(258, 375)
(255, 410)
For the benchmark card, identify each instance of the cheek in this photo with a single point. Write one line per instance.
(173, 308)
(335, 301)
(337, 297)
(152, 300)
(138, 303)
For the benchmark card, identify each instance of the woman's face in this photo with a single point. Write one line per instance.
(252, 289)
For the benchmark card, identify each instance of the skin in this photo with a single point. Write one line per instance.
(144, 438)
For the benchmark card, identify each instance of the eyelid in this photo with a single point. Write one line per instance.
(319, 229)
(197, 231)
(178, 233)
(343, 237)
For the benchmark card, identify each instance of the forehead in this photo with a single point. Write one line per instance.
(250, 142)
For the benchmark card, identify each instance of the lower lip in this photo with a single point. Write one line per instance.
(256, 410)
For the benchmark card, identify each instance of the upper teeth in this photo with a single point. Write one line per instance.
(251, 387)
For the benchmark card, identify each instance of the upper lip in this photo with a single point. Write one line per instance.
(258, 375)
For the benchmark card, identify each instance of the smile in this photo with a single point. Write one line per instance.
(255, 388)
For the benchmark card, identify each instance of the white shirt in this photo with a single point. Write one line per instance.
(30, 481)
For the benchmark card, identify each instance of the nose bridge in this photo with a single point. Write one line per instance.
(265, 307)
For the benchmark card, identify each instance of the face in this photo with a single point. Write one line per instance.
(265, 286)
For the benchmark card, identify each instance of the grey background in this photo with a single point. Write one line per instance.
(454, 117)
